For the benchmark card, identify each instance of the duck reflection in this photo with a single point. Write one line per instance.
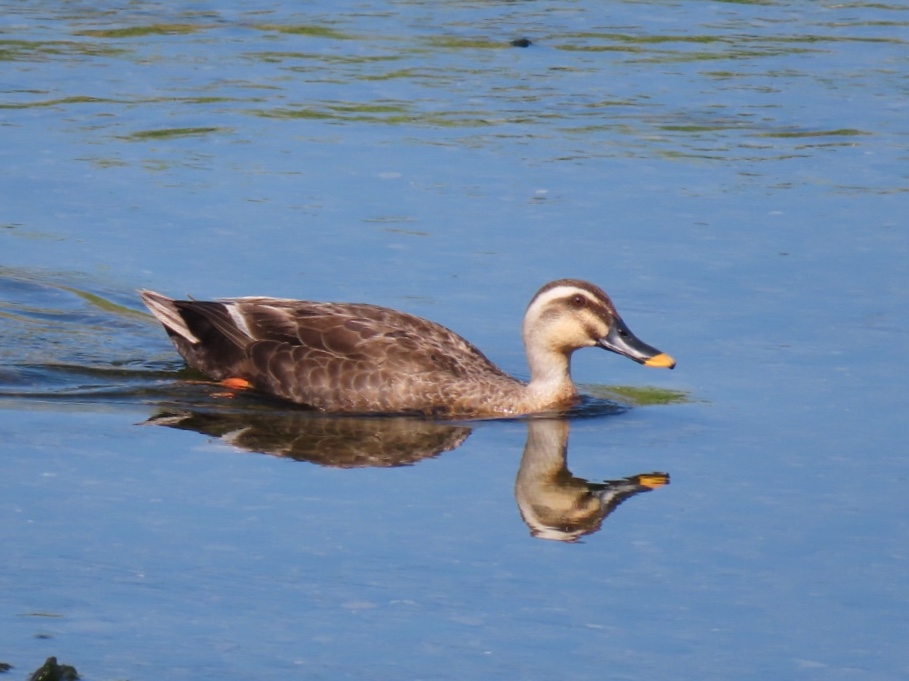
(339, 442)
(554, 503)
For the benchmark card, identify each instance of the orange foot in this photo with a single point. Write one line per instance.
(236, 383)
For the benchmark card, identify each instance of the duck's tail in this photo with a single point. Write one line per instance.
(165, 309)
(204, 333)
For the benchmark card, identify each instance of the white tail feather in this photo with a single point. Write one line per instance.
(164, 309)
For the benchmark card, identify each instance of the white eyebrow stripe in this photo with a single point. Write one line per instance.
(559, 292)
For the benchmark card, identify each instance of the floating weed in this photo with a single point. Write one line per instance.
(358, 112)
(638, 396)
(837, 39)
(725, 47)
(696, 128)
(379, 115)
(369, 108)
(449, 42)
(295, 113)
(392, 75)
(311, 30)
(842, 132)
(106, 162)
(34, 50)
(138, 31)
(600, 48)
(81, 99)
(725, 75)
(103, 303)
(58, 102)
(12, 50)
(205, 100)
(685, 57)
(171, 133)
(651, 39)
(278, 57)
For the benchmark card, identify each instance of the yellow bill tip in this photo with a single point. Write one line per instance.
(653, 480)
(661, 361)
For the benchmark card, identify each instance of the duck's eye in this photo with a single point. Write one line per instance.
(578, 301)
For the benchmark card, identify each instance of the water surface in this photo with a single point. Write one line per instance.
(733, 173)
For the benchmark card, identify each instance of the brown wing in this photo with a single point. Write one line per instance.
(353, 357)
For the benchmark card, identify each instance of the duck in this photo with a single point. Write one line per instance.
(358, 358)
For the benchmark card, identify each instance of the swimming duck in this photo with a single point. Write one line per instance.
(360, 358)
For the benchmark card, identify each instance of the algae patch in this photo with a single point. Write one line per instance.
(171, 133)
(638, 396)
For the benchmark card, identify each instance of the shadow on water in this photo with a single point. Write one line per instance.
(74, 347)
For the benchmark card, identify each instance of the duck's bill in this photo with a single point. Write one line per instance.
(622, 341)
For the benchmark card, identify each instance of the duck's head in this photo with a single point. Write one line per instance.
(570, 314)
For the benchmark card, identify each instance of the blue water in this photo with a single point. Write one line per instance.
(734, 174)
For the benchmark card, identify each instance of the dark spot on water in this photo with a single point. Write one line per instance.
(521, 42)
(51, 671)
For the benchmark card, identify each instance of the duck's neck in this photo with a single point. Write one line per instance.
(550, 377)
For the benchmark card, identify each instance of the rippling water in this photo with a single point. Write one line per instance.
(733, 173)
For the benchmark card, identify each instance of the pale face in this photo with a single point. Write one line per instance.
(565, 317)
